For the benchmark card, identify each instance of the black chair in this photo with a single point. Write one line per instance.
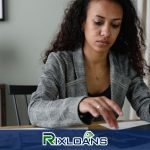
(2, 105)
(16, 90)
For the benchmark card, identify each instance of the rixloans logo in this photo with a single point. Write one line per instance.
(87, 139)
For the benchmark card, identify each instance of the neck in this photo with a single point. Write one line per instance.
(93, 58)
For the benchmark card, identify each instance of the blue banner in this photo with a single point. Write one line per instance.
(66, 139)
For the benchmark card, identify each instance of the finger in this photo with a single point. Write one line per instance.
(110, 113)
(95, 104)
(105, 111)
(106, 116)
(113, 105)
(109, 117)
(92, 110)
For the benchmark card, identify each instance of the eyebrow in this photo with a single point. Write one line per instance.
(104, 18)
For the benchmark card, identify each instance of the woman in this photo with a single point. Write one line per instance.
(92, 65)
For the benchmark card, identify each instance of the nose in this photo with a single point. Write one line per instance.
(105, 31)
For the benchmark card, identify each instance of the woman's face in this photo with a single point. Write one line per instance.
(102, 25)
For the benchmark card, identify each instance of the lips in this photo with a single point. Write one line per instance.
(102, 43)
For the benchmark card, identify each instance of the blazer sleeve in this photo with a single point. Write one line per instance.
(45, 108)
(139, 96)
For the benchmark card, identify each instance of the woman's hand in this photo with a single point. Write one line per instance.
(101, 106)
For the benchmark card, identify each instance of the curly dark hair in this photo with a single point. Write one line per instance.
(130, 40)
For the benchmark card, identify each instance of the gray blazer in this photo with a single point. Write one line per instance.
(62, 86)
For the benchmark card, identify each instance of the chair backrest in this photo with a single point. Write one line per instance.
(16, 90)
(2, 105)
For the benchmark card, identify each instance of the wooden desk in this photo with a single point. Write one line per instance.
(96, 126)
(92, 126)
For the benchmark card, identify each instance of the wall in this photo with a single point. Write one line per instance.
(29, 27)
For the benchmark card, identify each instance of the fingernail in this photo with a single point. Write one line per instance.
(117, 127)
(120, 113)
(110, 125)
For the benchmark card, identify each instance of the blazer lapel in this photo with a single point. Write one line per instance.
(78, 61)
(119, 82)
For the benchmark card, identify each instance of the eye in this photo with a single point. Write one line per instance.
(98, 23)
(116, 25)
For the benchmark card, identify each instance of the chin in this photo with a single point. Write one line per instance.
(100, 50)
